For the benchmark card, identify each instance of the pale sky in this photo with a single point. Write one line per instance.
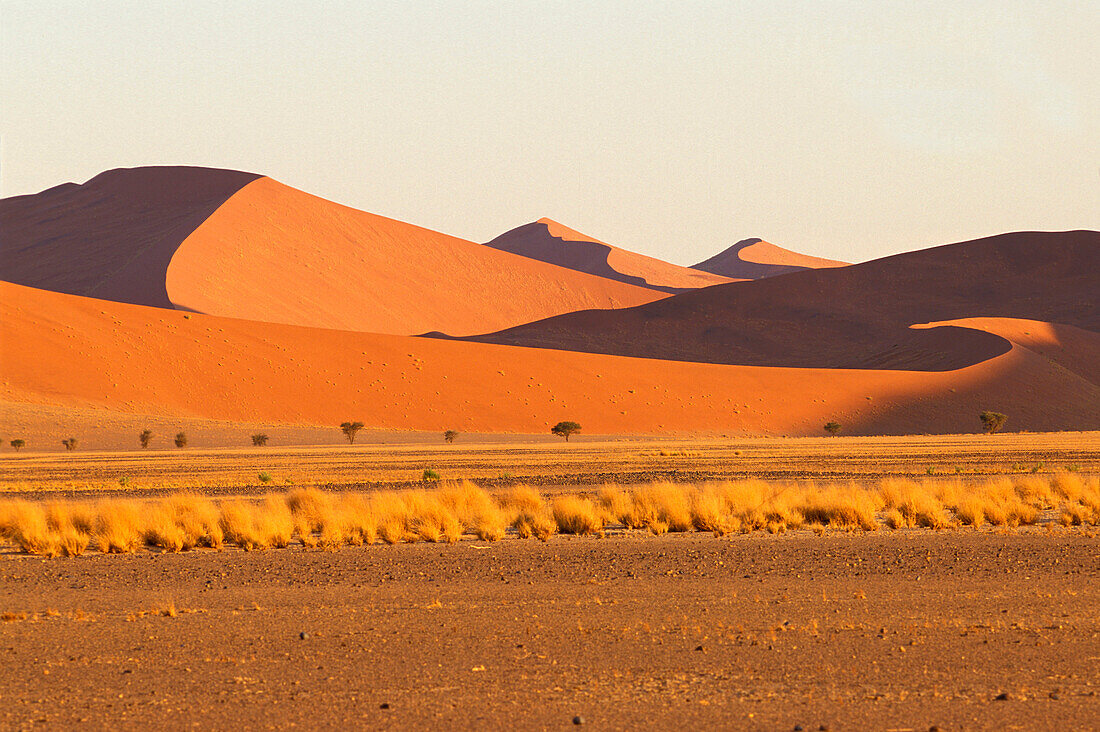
(848, 130)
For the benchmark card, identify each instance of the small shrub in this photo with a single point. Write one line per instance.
(265, 477)
(181, 439)
(565, 429)
(145, 437)
(70, 444)
(259, 439)
(429, 474)
(832, 427)
(450, 436)
(123, 481)
(992, 421)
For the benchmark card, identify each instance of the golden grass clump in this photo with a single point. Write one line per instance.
(576, 515)
(119, 526)
(660, 507)
(916, 504)
(391, 516)
(357, 525)
(254, 525)
(312, 511)
(617, 504)
(528, 512)
(711, 512)
(850, 508)
(430, 520)
(475, 509)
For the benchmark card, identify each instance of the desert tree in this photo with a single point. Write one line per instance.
(259, 439)
(17, 444)
(146, 437)
(181, 439)
(450, 435)
(564, 429)
(350, 429)
(70, 444)
(992, 421)
(832, 427)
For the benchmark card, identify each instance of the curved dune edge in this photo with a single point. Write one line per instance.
(548, 241)
(1073, 348)
(85, 353)
(763, 252)
(114, 236)
(275, 254)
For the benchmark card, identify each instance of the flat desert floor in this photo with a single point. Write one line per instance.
(908, 629)
(503, 460)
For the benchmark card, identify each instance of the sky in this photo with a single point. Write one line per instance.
(848, 130)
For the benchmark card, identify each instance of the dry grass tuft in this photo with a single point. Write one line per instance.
(575, 515)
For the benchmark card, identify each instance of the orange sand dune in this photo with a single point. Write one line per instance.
(856, 316)
(112, 237)
(549, 241)
(233, 244)
(63, 350)
(754, 259)
(275, 254)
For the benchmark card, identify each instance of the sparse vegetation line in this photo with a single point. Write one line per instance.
(311, 517)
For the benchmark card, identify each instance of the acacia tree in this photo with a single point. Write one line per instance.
(450, 435)
(992, 421)
(146, 437)
(259, 439)
(350, 429)
(70, 444)
(564, 429)
(17, 444)
(832, 427)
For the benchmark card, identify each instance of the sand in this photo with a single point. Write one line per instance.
(272, 253)
(896, 630)
(67, 351)
(548, 241)
(755, 259)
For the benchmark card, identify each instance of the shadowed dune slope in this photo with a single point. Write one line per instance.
(79, 353)
(549, 241)
(112, 237)
(856, 316)
(755, 259)
(276, 254)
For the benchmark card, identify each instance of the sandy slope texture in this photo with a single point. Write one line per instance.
(276, 254)
(754, 259)
(548, 241)
(856, 316)
(71, 351)
(112, 237)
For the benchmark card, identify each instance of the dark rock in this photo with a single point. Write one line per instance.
(578, 720)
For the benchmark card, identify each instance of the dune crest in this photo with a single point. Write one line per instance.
(548, 241)
(754, 259)
(856, 316)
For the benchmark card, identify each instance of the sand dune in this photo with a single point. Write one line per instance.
(112, 237)
(856, 316)
(238, 245)
(548, 241)
(81, 353)
(754, 259)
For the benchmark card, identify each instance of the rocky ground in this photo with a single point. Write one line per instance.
(906, 630)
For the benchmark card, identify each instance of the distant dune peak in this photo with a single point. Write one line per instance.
(554, 243)
(755, 259)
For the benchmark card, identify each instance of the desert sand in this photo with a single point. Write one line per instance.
(754, 259)
(548, 241)
(71, 351)
(858, 316)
